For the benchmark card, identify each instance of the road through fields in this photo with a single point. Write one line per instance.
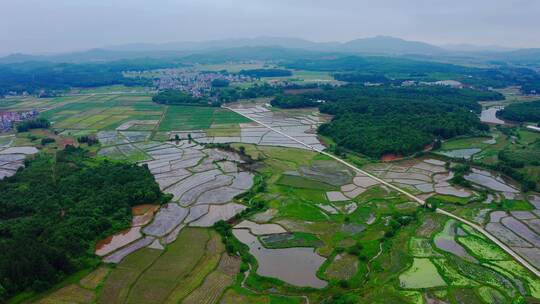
(507, 249)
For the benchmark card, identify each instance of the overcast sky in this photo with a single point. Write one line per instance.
(33, 26)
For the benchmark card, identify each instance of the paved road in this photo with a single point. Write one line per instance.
(508, 250)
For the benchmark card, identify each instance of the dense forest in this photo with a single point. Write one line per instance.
(259, 73)
(53, 212)
(379, 120)
(361, 77)
(33, 77)
(527, 111)
(176, 97)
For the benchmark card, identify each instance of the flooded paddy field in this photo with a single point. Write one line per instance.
(11, 157)
(300, 125)
(421, 176)
(520, 230)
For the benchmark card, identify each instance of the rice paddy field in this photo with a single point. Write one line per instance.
(300, 227)
(99, 111)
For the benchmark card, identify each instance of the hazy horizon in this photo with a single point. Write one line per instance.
(56, 26)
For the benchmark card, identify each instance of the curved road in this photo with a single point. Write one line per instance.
(480, 229)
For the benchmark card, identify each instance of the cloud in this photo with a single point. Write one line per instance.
(64, 25)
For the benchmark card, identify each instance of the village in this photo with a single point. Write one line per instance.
(8, 119)
(192, 81)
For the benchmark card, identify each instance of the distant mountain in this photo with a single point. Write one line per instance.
(464, 47)
(93, 55)
(265, 41)
(390, 45)
(272, 46)
(374, 45)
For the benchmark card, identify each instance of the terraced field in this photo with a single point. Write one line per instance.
(202, 182)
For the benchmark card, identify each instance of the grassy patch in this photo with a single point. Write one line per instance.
(211, 258)
(194, 118)
(119, 281)
(343, 267)
(302, 211)
(482, 249)
(422, 274)
(515, 205)
(187, 118)
(287, 240)
(465, 143)
(302, 182)
(159, 280)
(452, 276)
(421, 248)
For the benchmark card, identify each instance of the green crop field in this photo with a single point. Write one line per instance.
(195, 118)
(160, 279)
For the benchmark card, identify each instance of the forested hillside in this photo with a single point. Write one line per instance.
(528, 111)
(53, 212)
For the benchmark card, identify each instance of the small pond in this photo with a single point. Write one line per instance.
(296, 266)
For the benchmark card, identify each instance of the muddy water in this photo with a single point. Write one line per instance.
(490, 116)
(296, 266)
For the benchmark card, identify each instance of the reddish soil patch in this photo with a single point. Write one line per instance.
(118, 240)
(302, 91)
(63, 141)
(142, 209)
(391, 157)
(428, 148)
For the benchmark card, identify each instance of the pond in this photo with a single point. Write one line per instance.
(297, 266)
(490, 116)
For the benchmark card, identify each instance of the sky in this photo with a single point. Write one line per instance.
(50, 26)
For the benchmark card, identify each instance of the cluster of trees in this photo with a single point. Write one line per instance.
(291, 101)
(176, 97)
(408, 69)
(34, 123)
(379, 120)
(259, 73)
(229, 94)
(527, 111)
(220, 83)
(88, 139)
(53, 212)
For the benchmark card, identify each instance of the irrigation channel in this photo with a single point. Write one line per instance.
(420, 201)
